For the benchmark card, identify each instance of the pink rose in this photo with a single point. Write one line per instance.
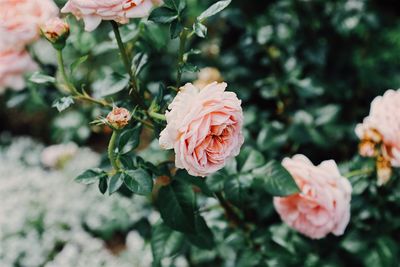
(55, 30)
(20, 21)
(13, 64)
(383, 126)
(323, 206)
(93, 12)
(204, 127)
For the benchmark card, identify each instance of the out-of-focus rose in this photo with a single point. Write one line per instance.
(382, 126)
(204, 127)
(56, 156)
(56, 31)
(13, 64)
(93, 12)
(118, 118)
(207, 76)
(323, 206)
(20, 21)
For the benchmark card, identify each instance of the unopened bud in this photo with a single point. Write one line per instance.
(118, 118)
(56, 31)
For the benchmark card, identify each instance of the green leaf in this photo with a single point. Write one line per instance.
(176, 203)
(129, 139)
(276, 179)
(77, 62)
(103, 184)
(63, 103)
(138, 181)
(175, 29)
(177, 5)
(199, 29)
(214, 9)
(139, 61)
(115, 183)
(127, 161)
(203, 238)
(163, 15)
(165, 242)
(183, 176)
(234, 190)
(110, 87)
(40, 78)
(253, 160)
(91, 176)
(187, 67)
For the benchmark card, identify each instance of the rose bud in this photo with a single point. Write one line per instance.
(118, 118)
(56, 32)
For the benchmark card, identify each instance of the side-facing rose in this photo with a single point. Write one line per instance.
(13, 64)
(93, 12)
(20, 21)
(204, 127)
(323, 205)
(382, 125)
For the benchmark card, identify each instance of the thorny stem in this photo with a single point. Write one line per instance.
(68, 84)
(182, 43)
(71, 88)
(127, 64)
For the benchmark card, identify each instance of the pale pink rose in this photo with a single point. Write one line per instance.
(204, 127)
(13, 64)
(20, 21)
(93, 11)
(383, 125)
(55, 29)
(323, 206)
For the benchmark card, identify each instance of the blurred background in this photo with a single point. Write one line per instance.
(306, 72)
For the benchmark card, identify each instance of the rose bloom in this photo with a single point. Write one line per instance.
(204, 127)
(118, 117)
(13, 64)
(55, 29)
(323, 205)
(382, 125)
(93, 12)
(20, 21)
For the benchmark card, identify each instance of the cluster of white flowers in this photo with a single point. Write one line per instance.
(46, 218)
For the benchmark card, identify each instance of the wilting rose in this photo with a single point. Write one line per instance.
(20, 21)
(204, 127)
(93, 12)
(13, 64)
(118, 118)
(323, 206)
(382, 126)
(56, 31)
